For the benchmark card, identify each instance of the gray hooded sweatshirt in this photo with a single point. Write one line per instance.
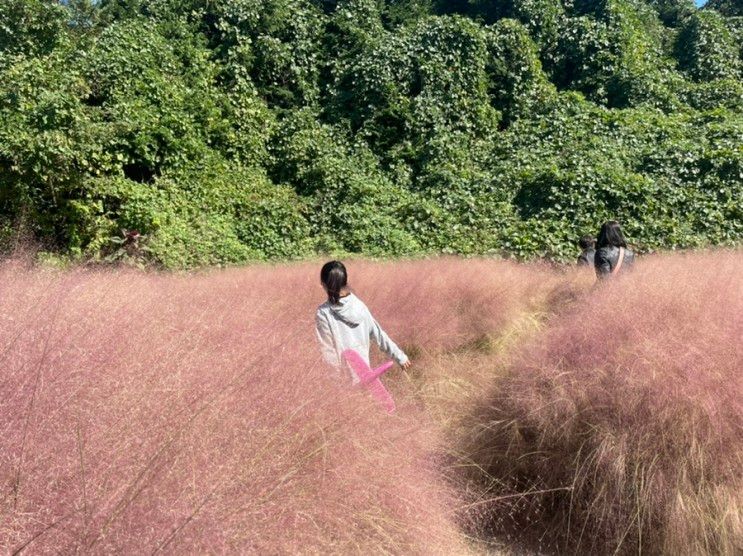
(350, 325)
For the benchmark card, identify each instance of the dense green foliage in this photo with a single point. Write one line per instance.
(232, 130)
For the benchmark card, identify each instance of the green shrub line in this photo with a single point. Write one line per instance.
(224, 132)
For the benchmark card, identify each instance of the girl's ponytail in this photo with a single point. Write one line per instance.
(333, 276)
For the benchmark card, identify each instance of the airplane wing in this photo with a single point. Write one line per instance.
(369, 378)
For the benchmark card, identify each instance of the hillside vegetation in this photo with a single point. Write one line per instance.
(225, 131)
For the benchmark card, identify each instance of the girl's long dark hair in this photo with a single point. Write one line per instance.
(610, 235)
(334, 277)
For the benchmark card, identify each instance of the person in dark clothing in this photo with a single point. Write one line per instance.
(612, 255)
(588, 250)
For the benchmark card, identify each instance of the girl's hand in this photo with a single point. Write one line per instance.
(405, 366)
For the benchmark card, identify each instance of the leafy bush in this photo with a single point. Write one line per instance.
(706, 48)
(464, 211)
(48, 143)
(517, 87)
(726, 7)
(31, 28)
(274, 43)
(159, 99)
(202, 216)
(579, 165)
(673, 12)
(450, 92)
(716, 94)
(585, 59)
(543, 18)
(353, 206)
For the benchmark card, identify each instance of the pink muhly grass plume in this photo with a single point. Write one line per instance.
(447, 304)
(146, 412)
(626, 413)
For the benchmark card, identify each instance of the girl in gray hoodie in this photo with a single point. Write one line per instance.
(344, 322)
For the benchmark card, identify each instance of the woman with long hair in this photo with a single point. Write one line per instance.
(345, 322)
(612, 254)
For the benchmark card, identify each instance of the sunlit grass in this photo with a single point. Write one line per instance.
(146, 412)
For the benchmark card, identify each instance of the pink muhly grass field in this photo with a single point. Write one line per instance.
(146, 412)
(628, 411)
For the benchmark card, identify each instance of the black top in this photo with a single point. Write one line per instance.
(606, 259)
(586, 257)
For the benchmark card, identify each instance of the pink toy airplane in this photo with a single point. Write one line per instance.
(370, 378)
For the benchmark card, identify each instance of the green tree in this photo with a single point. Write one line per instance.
(517, 86)
(706, 48)
(47, 143)
(352, 205)
(207, 214)
(30, 27)
(673, 12)
(277, 43)
(726, 7)
(450, 80)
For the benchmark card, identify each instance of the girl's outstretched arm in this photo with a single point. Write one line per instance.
(387, 345)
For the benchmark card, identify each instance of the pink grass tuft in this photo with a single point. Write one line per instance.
(143, 413)
(628, 412)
